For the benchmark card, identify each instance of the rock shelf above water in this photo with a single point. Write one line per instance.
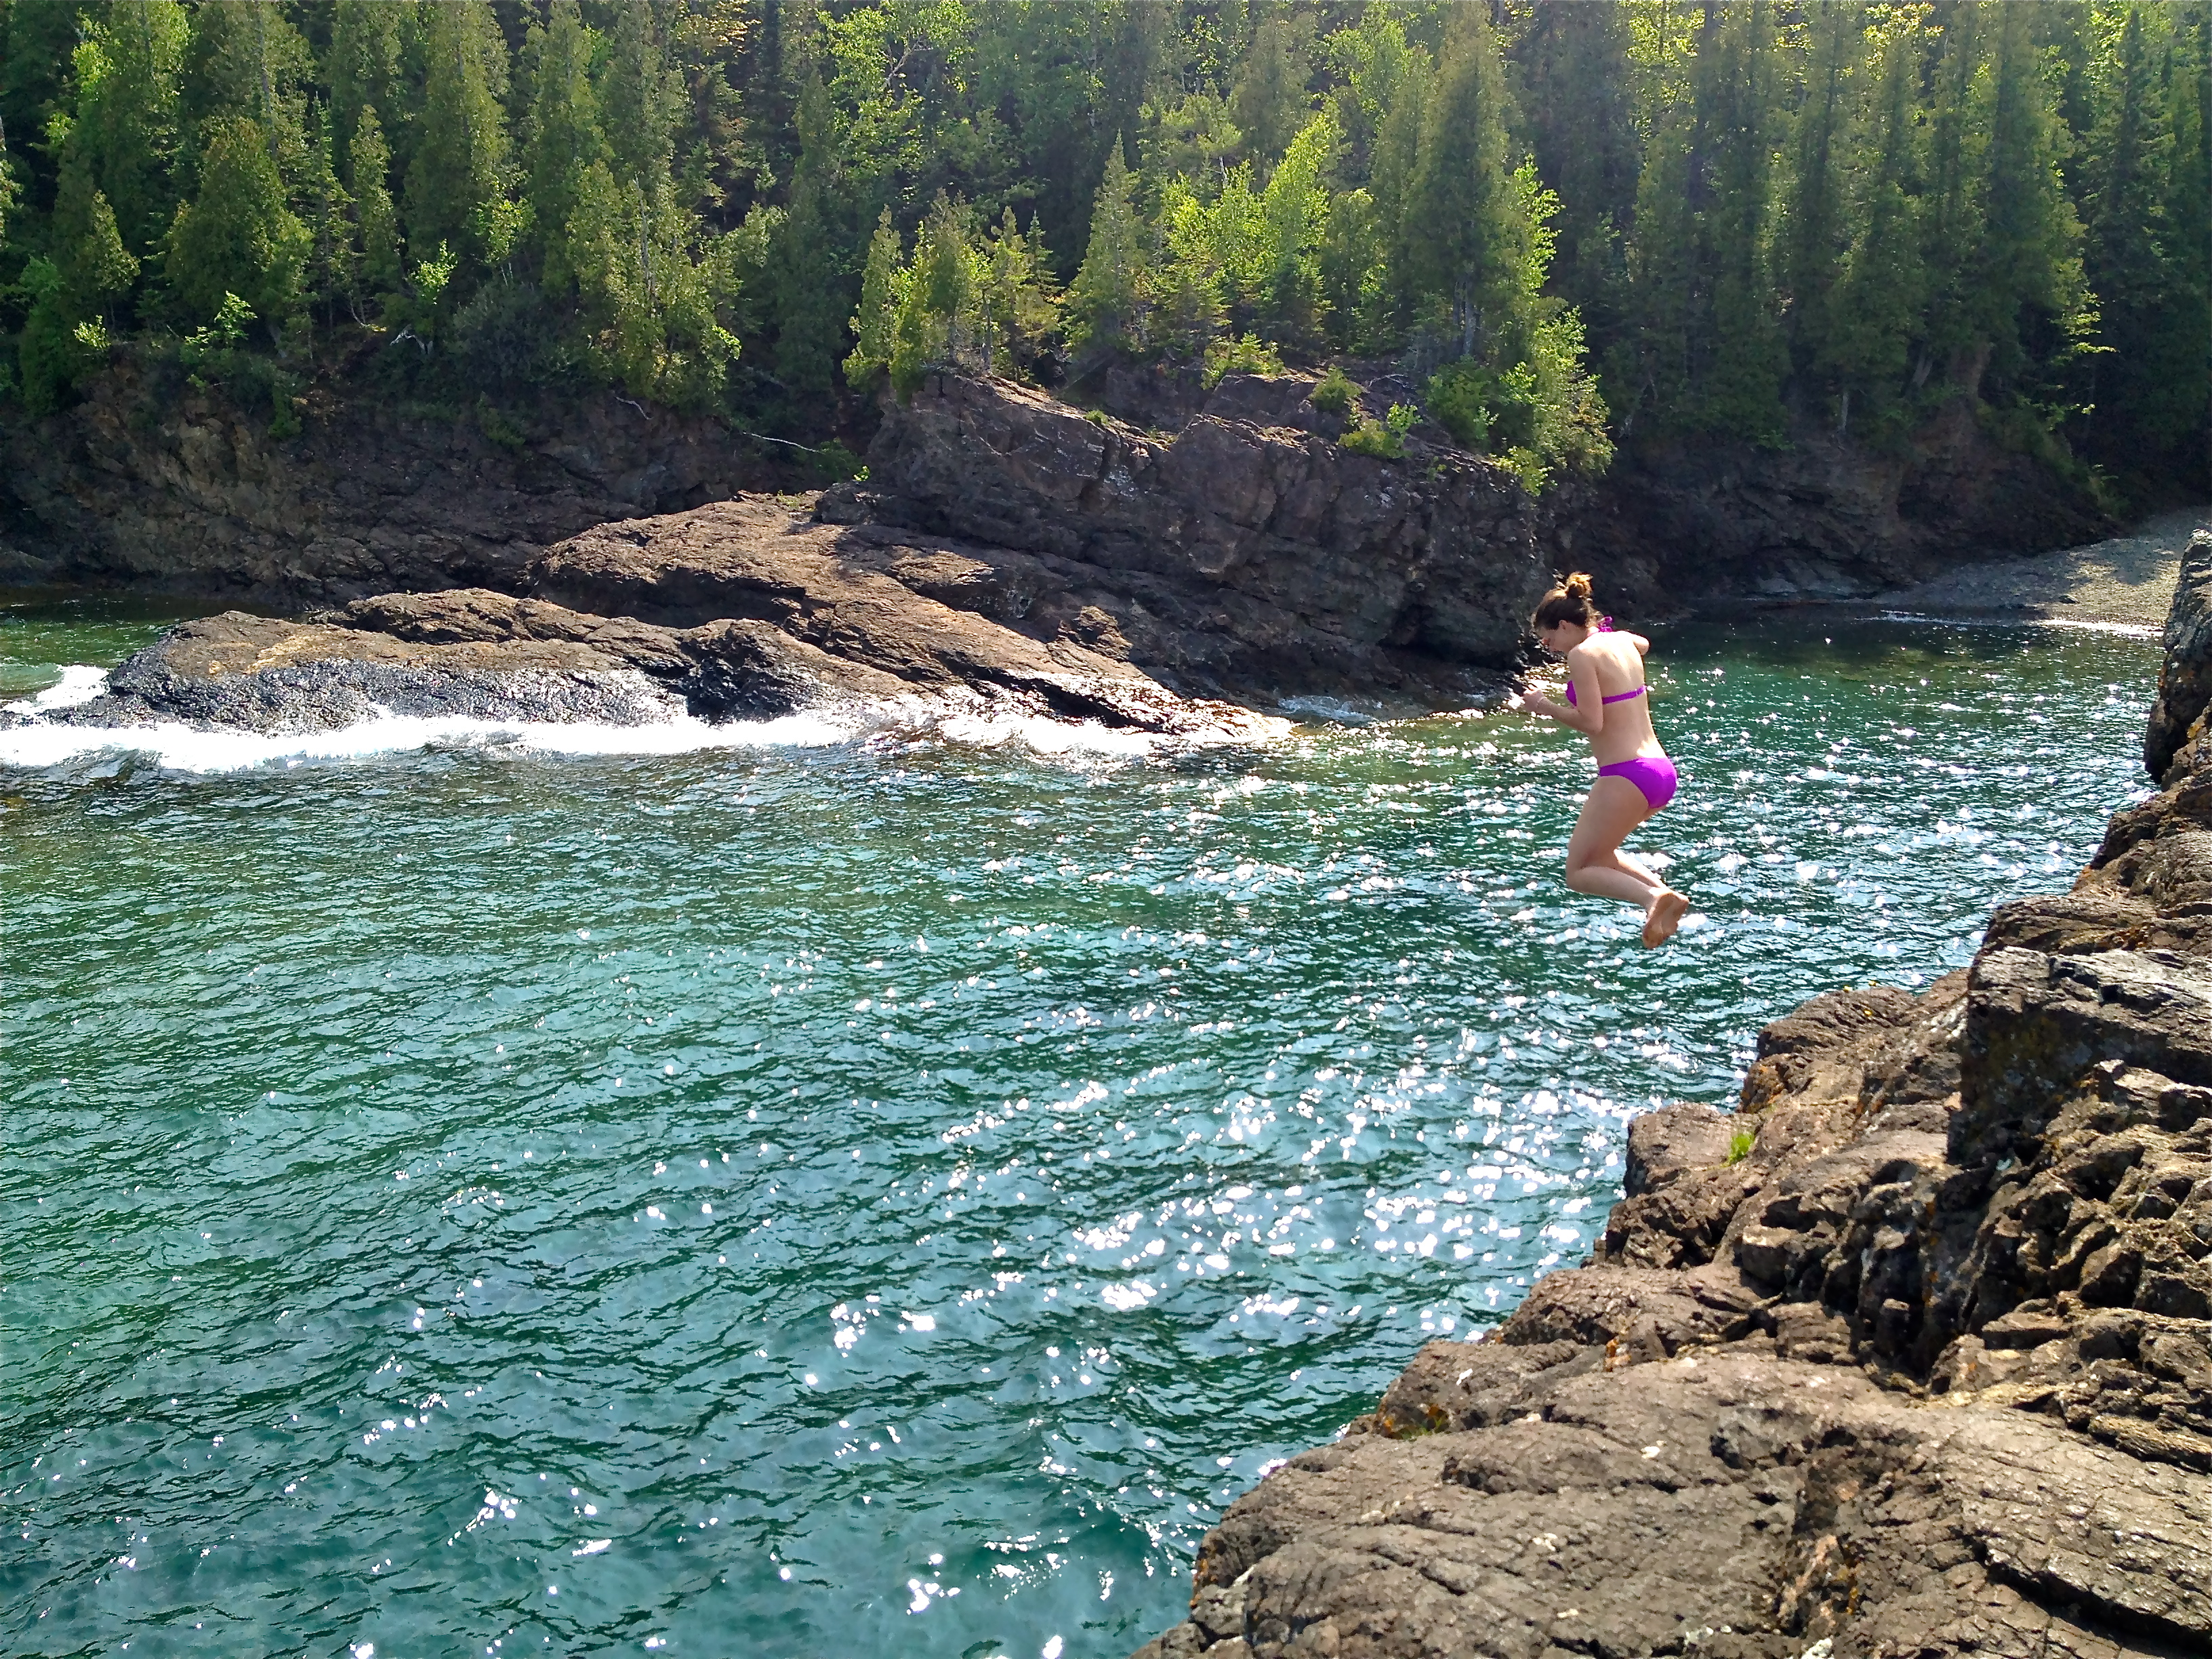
(1008, 549)
(1909, 1354)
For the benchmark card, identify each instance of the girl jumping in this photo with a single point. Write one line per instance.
(1606, 698)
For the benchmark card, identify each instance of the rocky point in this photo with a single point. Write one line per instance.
(1008, 551)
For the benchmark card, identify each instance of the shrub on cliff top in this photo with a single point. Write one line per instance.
(1385, 439)
(1248, 354)
(1335, 394)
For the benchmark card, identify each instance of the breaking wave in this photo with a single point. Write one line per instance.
(958, 719)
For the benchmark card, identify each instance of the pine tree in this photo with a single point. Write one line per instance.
(1580, 116)
(941, 258)
(2184, 409)
(130, 74)
(1015, 305)
(1270, 102)
(1464, 226)
(1881, 291)
(562, 136)
(2126, 259)
(1952, 209)
(1649, 366)
(1190, 309)
(96, 268)
(2029, 259)
(1108, 300)
(1740, 357)
(811, 301)
(237, 235)
(369, 168)
(244, 57)
(1396, 156)
(641, 102)
(872, 323)
(362, 64)
(458, 179)
(1294, 213)
(331, 262)
(913, 330)
(642, 96)
(1816, 220)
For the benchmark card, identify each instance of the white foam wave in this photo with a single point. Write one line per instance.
(1045, 737)
(956, 720)
(176, 747)
(79, 684)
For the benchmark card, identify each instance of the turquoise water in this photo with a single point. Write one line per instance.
(838, 1197)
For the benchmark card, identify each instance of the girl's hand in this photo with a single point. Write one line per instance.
(1517, 702)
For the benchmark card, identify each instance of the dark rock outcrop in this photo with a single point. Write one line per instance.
(1244, 548)
(492, 656)
(1910, 1354)
(2184, 683)
(1096, 574)
(155, 485)
(1823, 517)
(1242, 554)
(150, 482)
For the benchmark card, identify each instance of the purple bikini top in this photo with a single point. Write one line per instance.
(1619, 698)
(1605, 626)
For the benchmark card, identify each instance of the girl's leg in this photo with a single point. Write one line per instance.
(1595, 866)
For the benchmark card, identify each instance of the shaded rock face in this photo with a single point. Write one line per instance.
(1824, 518)
(1256, 563)
(1909, 1354)
(1245, 548)
(163, 488)
(149, 482)
(1004, 541)
(2184, 683)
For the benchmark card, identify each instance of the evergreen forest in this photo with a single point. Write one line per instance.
(1571, 225)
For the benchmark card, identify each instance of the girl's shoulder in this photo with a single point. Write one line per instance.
(1617, 648)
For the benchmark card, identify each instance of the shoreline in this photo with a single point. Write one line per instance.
(2126, 579)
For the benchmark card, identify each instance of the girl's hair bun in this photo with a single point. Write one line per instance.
(1569, 601)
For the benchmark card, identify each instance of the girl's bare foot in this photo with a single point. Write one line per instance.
(1664, 916)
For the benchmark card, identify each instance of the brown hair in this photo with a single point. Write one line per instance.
(1568, 602)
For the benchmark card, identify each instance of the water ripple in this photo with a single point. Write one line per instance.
(885, 1196)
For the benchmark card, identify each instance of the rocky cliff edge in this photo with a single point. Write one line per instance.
(1909, 1354)
(1008, 549)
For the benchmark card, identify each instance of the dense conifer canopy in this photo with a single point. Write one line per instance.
(1570, 223)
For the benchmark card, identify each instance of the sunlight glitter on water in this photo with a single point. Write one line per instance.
(881, 1196)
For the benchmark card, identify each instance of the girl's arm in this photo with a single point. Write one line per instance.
(1585, 714)
(1643, 645)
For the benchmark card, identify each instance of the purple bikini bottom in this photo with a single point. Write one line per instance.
(1654, 776)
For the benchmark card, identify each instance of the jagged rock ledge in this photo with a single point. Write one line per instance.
(1926, 1371)
(1009, 549)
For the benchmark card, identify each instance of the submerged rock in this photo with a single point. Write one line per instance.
(1910, 1354)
